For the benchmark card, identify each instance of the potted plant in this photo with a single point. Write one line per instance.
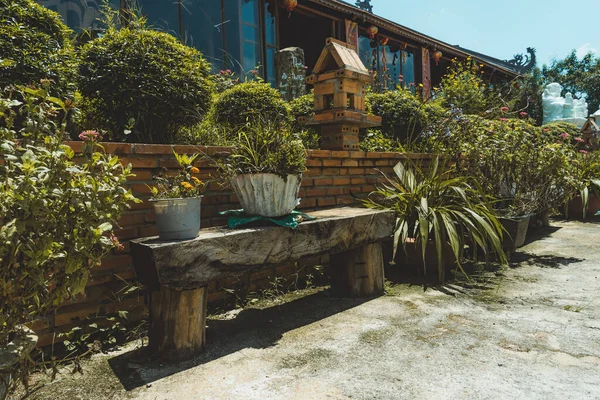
(265, 169)
(176, 200)
(438, 212)
(583, 187)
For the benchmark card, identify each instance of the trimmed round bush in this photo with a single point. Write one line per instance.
(403, 115)
(35, 44)
(249, 103)
(142, 85)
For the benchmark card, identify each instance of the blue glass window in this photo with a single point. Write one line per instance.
(202, 27)
(79, 15)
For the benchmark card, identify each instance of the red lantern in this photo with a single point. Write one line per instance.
(290, 5)
(372, 31)
(436, 56)
(383, 40)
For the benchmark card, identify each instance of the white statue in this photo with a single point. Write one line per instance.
(552, 103)
(567, 109)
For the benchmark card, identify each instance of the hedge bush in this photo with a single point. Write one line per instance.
(249, 103)
(403, 115)
(142, 85)
(35, 44)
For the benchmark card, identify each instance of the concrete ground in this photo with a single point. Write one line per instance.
(531, 331)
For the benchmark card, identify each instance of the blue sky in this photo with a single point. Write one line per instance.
(502, 28)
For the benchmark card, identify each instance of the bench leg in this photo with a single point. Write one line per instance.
(177, 322)
(358, 272)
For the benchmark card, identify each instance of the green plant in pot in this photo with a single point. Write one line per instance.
(583, 184)
(438, 210)
(177, 198)
(265, 169)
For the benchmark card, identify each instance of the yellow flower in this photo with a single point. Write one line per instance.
(187, 185)
(196, 180)
(194, 170)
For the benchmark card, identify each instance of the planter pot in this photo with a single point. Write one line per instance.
(11, 354)
(412, 260)
(575, 206)
(177, 219)
(267, 195)
(538, 221)
(516, 231)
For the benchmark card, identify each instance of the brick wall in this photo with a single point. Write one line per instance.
(333, 178)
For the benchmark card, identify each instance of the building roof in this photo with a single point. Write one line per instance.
(425, 40)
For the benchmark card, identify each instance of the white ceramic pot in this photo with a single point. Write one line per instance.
(177, 219)
(267, 195)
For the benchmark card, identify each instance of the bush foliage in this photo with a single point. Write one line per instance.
(57, 214)
(249, 103)
(34, 45)
(142, 85)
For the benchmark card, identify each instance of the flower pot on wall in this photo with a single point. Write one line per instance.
(177, 219)
(267, 195)
(575, 206)
(516, 231)
(19, 347)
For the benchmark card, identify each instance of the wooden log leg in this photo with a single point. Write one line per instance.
(177, 322)
(358, 272)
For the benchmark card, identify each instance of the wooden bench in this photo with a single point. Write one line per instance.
(177, 272)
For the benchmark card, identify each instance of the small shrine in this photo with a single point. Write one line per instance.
(340, 79)
(591, 130)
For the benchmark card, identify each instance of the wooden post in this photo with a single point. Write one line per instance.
(177, 322)
(358, 272)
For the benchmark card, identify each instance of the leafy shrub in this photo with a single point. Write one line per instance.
(265, 147)
(249, 103)
(463, 87)
(374, 140)
(35, 45)
(142, 85)
(57, 214)
(436, 206)
(564, 131)
(512, 159)
(403, 115)
(304, 106)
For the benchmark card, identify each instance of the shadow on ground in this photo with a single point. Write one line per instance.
(251, 328)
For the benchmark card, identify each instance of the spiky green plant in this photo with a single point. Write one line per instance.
(433, 205)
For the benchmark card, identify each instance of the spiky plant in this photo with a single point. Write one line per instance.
(433, 205)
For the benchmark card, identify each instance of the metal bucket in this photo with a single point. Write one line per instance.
(177, 219)
(267, 195)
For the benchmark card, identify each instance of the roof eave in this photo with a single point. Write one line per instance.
(407, 32)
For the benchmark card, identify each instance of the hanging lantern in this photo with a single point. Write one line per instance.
(372, 31)
(403, 45)
(383, 40)
(436, 56)
(290, 5)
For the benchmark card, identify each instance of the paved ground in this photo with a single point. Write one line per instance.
(528, 332)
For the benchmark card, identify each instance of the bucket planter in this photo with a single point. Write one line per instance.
(575, 206)
(177, 219)
(515, 231)
(267, 195)
(19, 346)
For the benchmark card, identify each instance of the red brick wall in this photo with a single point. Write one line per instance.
(333, 178)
